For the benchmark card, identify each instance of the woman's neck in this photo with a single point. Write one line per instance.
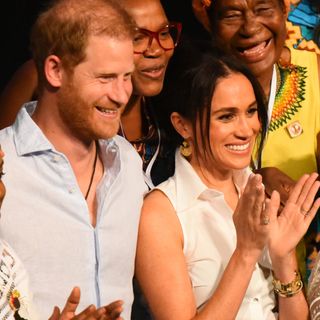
(131, 120)
(212, 178)
(265, 82)
(220, 180)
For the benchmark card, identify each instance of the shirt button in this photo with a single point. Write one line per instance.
(55, 159)
(255, 299)
(112, 148)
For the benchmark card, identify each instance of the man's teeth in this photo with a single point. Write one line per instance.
(237, 147)
(108, 111)
(255, 49)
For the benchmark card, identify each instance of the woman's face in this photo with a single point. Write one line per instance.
(2, 188)
(150, 66)
(253, 31)
(234, 124)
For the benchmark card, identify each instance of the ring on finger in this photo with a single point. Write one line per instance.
(265, 220)
(304, 212)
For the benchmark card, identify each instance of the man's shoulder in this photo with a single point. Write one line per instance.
(6, 131)
(7, 134)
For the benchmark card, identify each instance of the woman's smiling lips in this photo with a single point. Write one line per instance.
(155, 72)
(254, 52)
(238, 147)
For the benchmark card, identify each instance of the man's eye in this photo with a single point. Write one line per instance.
(107, 78)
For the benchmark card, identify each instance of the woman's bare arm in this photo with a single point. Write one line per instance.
(161, 267)
(20, 89)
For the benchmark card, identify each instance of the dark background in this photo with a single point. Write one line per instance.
(17, 17)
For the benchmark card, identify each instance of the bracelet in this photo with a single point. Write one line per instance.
(287, 290)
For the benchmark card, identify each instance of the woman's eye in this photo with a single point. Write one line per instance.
(263, 9)
(252, 110)
(140, 37)
(229, 15)
(226, 117)
(164, 33)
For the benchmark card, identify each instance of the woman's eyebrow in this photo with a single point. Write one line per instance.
(233, 109)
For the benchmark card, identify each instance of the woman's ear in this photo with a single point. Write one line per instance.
(287, 7)
(181, 125)
(53, 70)
(199, 9)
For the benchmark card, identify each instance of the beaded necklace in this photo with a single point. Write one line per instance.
(290, 92)
(148, 144)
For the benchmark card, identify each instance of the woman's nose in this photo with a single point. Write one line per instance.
(250, 25)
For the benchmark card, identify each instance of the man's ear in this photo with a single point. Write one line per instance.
(181, 125)
(53, 70)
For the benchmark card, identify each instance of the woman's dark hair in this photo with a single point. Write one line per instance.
(190, 85)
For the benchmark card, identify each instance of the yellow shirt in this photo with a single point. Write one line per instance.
(291, 144)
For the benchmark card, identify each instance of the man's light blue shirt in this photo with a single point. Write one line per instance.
(45, 218)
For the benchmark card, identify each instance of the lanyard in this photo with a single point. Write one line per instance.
(147, 174)
(272, 95)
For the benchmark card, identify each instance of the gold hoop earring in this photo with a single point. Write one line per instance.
(185, 149)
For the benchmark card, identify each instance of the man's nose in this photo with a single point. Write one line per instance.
(121, 91)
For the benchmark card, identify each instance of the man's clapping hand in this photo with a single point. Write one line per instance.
(109, 312)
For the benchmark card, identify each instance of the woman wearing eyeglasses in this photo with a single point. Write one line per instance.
(154, 44)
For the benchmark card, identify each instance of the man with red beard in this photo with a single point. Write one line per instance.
(74, 189)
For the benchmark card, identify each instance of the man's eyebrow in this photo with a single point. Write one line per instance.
(114, 74)
(106, 74)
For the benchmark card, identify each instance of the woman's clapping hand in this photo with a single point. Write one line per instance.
(287, 228)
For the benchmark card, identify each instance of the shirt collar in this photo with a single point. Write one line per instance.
(29, 138)
(111, 155)
(190, 187)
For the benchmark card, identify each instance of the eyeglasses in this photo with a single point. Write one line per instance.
(167, 37)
